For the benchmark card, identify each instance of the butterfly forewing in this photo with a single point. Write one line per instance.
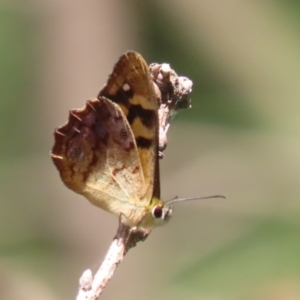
(131, 87)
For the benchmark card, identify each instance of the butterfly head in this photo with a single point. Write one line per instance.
(158, 213)
(161, 213)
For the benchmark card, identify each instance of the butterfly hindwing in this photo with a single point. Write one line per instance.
(97, 156)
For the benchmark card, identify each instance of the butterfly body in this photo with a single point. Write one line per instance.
(108, 150)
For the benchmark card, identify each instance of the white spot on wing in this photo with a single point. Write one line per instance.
(126, 87)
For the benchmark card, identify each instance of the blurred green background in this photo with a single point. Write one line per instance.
(240, 139)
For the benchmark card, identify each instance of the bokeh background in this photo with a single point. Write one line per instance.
(240, 139)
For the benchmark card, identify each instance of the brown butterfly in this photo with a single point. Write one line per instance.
(108, 150)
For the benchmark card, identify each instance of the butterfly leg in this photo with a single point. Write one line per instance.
(136, 235)
(130, 236)
(123, 231)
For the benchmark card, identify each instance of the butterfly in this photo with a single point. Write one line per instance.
(108, 150)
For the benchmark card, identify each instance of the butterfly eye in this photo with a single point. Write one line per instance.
(77, 152)
(123, 134)
(157, 212)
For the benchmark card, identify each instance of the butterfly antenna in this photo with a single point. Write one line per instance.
(176, 199)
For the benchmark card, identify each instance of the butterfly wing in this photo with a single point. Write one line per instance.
(131, 87)
(108, 150)
(96, 155)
